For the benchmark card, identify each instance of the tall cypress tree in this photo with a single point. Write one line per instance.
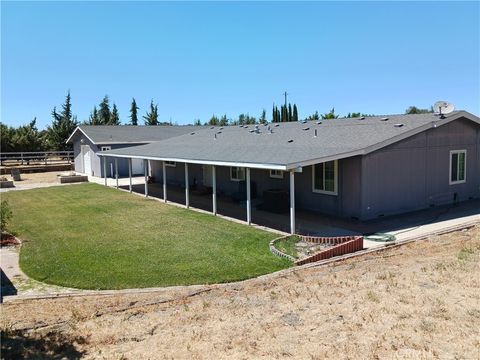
(133, 112)
(93, 118)
(274, 113)
(295, 112)
(151, 118)
(104, 111)
(114, 116)
(62, 126)
(290, 115)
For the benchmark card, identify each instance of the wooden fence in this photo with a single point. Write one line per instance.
(36, 158)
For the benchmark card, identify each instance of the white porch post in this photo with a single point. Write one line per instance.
(249, 200)
(145, 167)
(105, 169)
(214, 190)
(292, 202)
(130, 174)
(116, 173)
(187, 188)
(164, 170)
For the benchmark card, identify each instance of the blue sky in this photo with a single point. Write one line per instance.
(199, 59)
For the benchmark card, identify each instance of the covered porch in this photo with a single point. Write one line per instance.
(210, 188)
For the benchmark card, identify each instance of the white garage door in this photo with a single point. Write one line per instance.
(137, 167)
(87, 160)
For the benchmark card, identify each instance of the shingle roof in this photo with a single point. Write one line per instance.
(110, 134)
(288, 145)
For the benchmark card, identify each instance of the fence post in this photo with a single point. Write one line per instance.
(21, 157)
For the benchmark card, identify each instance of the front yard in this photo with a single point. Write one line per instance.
(92, 237)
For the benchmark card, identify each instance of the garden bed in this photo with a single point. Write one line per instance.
(72, 178)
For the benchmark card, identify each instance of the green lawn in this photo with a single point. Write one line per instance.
(93, 237)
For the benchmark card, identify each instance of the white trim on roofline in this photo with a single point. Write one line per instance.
(201, 162)
(83, 132)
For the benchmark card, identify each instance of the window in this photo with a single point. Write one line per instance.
(277, 174)
(457, 166)
(237, 174)
(106, 148)
(170, 163)
(325, 178)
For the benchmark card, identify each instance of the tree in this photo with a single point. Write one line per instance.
(114, 116)
(6, 138)
(290, 114)
(93, 118)
(415, 110)
(223, 120)
(263, 117)
(104, 111)
(314, 116)
(295, 113)
(197, 122)
(284, 114)
(63, 125)
(27, 138)
(133, 112)
(214, 121)
(330, 115)
(151, 118)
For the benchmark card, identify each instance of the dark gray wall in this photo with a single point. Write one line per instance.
(346, 203)
(414, 173)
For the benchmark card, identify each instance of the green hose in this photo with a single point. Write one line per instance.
(380, 237)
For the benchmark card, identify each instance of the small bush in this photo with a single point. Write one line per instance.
(5, 215)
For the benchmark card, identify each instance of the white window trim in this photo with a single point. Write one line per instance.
(335, 184)
(237, 179)
(276, 176)
(105, 148)
(464, 151)
(171, 163)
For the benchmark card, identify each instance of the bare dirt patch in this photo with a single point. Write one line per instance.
(420, 300)
(39, 178)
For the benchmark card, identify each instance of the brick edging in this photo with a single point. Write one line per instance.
(277, 252)
(341, 245)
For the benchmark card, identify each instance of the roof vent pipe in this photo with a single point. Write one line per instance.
(315, 135)
(214, 136)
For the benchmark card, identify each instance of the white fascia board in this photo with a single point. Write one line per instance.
(203, 162)
(83, 132)
(125, 142)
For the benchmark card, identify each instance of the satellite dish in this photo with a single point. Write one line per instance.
(443, 107)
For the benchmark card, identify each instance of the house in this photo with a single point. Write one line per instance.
(89, 140)
(360, 168)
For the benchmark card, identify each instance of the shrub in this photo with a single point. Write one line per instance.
(5, 215)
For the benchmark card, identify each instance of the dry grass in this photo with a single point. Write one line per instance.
(419, 301)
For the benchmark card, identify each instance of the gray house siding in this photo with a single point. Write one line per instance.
(346, 203)
(414, 173)
(96, 164)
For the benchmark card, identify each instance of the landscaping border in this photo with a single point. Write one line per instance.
(341, 245)
(277, 252)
